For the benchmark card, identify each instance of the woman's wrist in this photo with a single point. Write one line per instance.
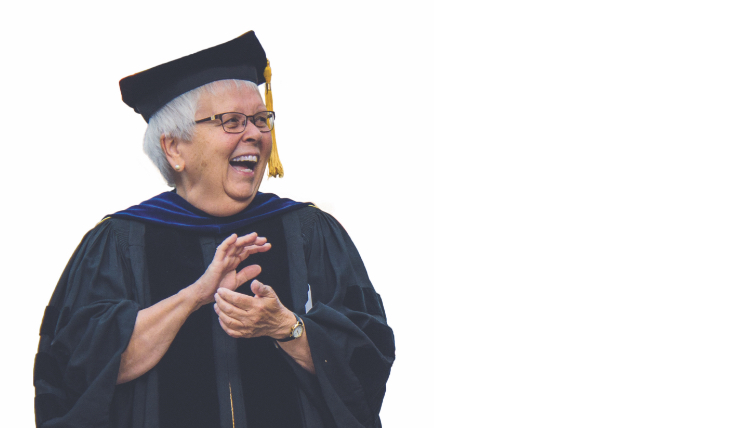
(191, 297)
(285, 330)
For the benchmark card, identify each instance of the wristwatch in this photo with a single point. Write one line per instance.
(296, 332)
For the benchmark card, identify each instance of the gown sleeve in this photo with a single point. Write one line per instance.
(85, 329)
(351, 344)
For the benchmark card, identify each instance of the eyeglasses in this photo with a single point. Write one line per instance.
(235, 123)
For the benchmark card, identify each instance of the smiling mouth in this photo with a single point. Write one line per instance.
(244, 163)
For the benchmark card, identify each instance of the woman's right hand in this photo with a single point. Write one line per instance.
(157, 325)
(221, 272)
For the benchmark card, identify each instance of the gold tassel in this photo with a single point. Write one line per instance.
(274, 163)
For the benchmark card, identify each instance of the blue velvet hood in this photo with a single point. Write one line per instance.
(172, 210)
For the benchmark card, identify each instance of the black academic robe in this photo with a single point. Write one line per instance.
(91, 316)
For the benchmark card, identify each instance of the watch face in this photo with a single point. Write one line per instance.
(297, 331)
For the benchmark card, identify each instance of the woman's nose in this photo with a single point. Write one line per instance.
(251, 132)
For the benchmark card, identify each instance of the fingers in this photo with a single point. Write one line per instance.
(242, 315)
(228, 308)
(243, 246)
(233, 241)
(235, 249)
(252, 249)
(223, 310)
(247, 273)
(262, 290)
(233, 298)
(229, 330)
(222, 306)
(258, 248)
(228, 249)
(222, 249)
(250, 239)
(262, 244)
(245, 252)
(237, 322)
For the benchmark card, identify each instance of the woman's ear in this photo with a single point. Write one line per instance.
(171, 149)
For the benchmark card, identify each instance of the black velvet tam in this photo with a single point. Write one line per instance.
(242, 58)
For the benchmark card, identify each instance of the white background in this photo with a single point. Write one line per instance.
(557, 220)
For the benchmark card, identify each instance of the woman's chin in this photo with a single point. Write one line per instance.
(242, 192)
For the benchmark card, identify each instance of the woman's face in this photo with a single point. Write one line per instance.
(219, 176)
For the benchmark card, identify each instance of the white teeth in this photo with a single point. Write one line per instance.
(245, 159)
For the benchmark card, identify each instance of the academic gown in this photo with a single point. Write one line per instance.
(317, 273)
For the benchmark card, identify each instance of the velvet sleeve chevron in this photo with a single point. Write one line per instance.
(351, 344)
(85, 329)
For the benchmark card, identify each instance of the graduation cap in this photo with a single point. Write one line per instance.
(242, 58)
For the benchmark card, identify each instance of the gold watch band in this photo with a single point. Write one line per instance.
(294, 327)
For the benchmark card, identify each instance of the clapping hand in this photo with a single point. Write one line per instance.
(221, 273)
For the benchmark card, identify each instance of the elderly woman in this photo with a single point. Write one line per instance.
(178, 312)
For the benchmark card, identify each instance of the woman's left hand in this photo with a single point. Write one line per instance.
(247, 316)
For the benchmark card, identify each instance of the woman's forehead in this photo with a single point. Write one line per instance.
(230, 98)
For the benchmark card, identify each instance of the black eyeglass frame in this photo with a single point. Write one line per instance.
(272, 116)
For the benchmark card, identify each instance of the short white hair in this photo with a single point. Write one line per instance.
(177, 119)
